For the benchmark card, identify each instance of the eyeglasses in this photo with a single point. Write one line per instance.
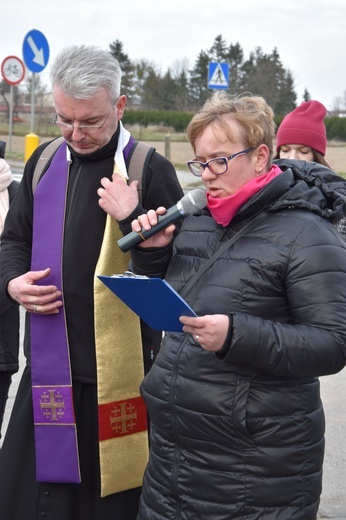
(82, 128)
(217, 166)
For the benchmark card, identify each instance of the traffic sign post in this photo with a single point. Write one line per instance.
(218, 75)
(36, 56)
(13, 72)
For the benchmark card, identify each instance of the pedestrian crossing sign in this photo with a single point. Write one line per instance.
(218, 75)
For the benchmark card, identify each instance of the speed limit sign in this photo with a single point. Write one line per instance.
(13, 70)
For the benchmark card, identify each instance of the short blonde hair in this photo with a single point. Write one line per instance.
(252, 113)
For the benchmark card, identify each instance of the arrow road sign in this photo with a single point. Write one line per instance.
(35, 51)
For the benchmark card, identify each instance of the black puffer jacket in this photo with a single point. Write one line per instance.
(9, 320)
(9, 336)
(241, 436)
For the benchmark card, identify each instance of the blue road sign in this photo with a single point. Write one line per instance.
(35, 51)
(218, 75)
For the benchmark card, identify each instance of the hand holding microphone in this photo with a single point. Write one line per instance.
(193, 202)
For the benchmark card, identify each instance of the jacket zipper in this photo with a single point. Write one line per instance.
(177, 451)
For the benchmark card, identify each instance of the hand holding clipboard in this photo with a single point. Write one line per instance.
(152, 299)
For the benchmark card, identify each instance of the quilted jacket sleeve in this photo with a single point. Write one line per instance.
(314, 342)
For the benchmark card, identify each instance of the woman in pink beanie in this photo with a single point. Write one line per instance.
(302, 134)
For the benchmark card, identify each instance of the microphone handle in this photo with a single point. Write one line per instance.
(133, 239)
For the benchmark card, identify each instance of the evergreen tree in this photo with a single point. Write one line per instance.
(150, 89)
(198, 84)
(168, 91)
(306, 95)
(180, 75)
(264, 75)
(288, 97)
(235, 59)
(218, 51)
(127, 67)
(5, 95)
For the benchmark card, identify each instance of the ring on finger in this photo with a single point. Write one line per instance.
(35, 308)
(196, 336)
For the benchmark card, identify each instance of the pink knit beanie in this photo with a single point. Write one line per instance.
(304, 126)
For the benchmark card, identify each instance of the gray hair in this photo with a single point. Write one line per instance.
(80, 71)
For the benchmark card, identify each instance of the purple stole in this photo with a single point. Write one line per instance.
(54, 418)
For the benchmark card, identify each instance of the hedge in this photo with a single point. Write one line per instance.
(176, 120)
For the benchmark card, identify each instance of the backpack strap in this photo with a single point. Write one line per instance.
(45, 156)
(138, 162)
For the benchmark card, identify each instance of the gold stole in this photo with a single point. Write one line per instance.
(123, 435)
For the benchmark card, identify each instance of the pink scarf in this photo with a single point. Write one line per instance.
(223, 210)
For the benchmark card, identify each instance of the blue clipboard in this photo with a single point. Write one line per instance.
(152, 299)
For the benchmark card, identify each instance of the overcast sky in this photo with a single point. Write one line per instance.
(310, 35)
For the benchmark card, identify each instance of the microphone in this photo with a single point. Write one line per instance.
(193, 202)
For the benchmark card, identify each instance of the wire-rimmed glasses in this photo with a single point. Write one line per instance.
(83, 128)
(217, 166)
